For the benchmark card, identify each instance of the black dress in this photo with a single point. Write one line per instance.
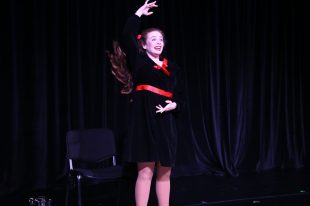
(152, 137)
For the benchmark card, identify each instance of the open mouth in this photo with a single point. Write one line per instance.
(158, 48)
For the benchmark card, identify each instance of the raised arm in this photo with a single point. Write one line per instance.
(132, 27)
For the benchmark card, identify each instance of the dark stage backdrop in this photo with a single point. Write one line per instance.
(245, 81)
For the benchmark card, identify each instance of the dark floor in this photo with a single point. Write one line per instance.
(268, 188)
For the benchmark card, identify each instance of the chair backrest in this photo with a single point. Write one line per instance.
(91, 145)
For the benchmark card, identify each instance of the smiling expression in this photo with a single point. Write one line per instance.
(154, 44)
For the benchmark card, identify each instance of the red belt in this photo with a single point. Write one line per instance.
(154, 89)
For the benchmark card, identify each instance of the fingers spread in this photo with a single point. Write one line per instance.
(152, 4)
(159, 106)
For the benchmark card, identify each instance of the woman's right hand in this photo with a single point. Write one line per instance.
(144, 9)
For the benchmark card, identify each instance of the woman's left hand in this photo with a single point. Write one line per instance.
(170, 106)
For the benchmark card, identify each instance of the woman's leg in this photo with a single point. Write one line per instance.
(143, 183)
(163, 185)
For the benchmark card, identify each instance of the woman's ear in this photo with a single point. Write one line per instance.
(143, 45)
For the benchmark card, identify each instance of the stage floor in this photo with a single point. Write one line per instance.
(290, 187)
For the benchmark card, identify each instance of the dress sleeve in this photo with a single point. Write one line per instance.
(129, 38)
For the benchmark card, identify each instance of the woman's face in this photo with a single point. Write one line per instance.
(154, 43)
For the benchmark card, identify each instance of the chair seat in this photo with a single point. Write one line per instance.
(108, 173)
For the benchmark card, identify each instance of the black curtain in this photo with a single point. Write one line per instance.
(245, 83)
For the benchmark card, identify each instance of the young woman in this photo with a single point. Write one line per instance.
(152, 82)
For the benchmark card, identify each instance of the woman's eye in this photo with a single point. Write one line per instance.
(153, 40)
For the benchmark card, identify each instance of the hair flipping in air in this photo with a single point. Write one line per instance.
(119, 68)
(119, 63)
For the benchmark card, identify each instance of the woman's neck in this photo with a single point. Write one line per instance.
(155, 59)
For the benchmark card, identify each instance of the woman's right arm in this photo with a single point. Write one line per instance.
(129, 39)
(132, 27)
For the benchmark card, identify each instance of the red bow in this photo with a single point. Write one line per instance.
(163, 67)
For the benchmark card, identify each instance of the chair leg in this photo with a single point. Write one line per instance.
(79, 190)
(119, 188)
(68, 188)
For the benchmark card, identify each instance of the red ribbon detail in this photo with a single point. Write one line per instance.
(154, 90)
(163, 67)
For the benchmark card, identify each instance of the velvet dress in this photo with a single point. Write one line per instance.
(152, 137)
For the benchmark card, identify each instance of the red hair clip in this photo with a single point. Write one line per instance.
(139, 36)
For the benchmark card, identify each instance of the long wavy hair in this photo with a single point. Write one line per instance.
(118, 60)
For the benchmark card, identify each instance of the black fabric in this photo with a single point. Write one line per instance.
(151, 136)
(92, 145)
(245, 83)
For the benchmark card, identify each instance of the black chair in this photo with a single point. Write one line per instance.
(91, 155)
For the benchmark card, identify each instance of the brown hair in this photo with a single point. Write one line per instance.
(119, 64)
(119, 68)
